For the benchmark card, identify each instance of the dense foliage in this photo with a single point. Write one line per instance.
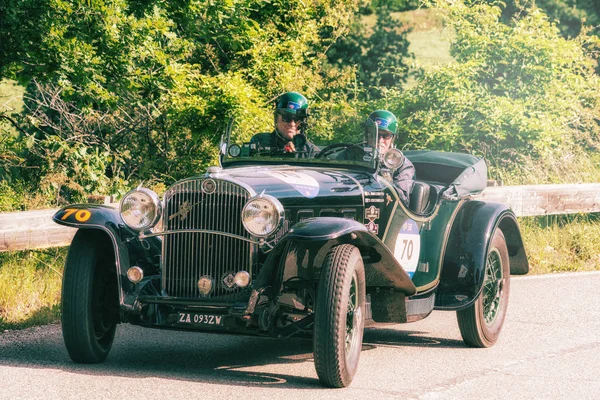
(370, 7)
(519, 93)
(569, 15)
(381, 58)
(120, 91)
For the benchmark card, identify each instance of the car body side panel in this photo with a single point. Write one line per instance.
(434, 237)
(433, 229)
(465, 258)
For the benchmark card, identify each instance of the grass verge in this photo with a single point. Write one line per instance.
(562, 243)
(30, 284)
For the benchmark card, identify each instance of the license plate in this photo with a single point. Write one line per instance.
(187, 318)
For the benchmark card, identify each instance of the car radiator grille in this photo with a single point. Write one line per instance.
(189, 254)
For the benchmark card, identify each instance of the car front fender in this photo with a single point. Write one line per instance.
(128, 249)
(465, 259)
(307, 243)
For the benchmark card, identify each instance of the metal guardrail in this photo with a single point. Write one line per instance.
(539, 200)
(35, 229)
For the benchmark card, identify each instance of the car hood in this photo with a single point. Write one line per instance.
(301, 186)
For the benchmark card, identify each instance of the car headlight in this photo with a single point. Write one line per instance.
(393, 159)
(262, 215)
(141, 209)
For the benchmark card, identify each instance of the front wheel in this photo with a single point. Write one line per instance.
(480, 324)
(89, 298)
(339, 316)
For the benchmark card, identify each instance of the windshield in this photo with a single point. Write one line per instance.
(356, 150)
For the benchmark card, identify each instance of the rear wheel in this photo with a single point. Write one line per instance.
(480, 324)
(339, 316)
(89, 298)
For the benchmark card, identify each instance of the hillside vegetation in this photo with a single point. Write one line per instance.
(120, 92)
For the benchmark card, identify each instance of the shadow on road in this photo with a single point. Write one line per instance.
(199, 357)
(390, 337)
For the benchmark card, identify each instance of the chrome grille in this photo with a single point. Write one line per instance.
(189, 254)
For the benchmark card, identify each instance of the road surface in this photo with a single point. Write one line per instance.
(549, 349)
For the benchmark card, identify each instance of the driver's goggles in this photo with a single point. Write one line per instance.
(287, 118)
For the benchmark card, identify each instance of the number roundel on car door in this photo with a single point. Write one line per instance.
(408, 247)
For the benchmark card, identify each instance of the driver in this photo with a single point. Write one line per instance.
(404, 177)
(291, 112)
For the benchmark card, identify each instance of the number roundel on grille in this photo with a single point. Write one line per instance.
(209, 186)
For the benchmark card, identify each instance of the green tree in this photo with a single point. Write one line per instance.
(141, 90)
(520, 94)
(380, 57)
(372, 6)
(569, 15)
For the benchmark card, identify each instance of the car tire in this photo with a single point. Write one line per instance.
(89, 298)
(480, 323)
(339, 316)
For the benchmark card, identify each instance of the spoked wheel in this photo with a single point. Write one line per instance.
(89, 299)
(480, 324)
(339, 316)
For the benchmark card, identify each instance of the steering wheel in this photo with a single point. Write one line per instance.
(337, 147)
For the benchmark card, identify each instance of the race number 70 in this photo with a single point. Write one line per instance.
(80, 215)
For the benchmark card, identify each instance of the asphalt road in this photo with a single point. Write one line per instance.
(549, 349)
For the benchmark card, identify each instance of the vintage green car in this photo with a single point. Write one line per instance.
(278, 245)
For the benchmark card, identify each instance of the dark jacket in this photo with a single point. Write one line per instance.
(276, 144)
(404, 180)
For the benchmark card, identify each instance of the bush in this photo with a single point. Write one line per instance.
(515, 91)
(124, 91)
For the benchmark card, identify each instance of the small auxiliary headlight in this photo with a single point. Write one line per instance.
(141, 209)
(242, 279)
(235, 150)
(135, 274)
(393, 159)
(205, 285)
(262, 215)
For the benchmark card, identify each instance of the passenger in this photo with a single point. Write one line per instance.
(404, 177)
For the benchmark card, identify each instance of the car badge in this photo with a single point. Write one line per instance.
(229, 281)
(183, 212)
(209, 186)
(372, 213)
(372, 227)
(205, 285)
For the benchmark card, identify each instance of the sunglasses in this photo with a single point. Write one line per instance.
(386, 135)
(289, 118)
